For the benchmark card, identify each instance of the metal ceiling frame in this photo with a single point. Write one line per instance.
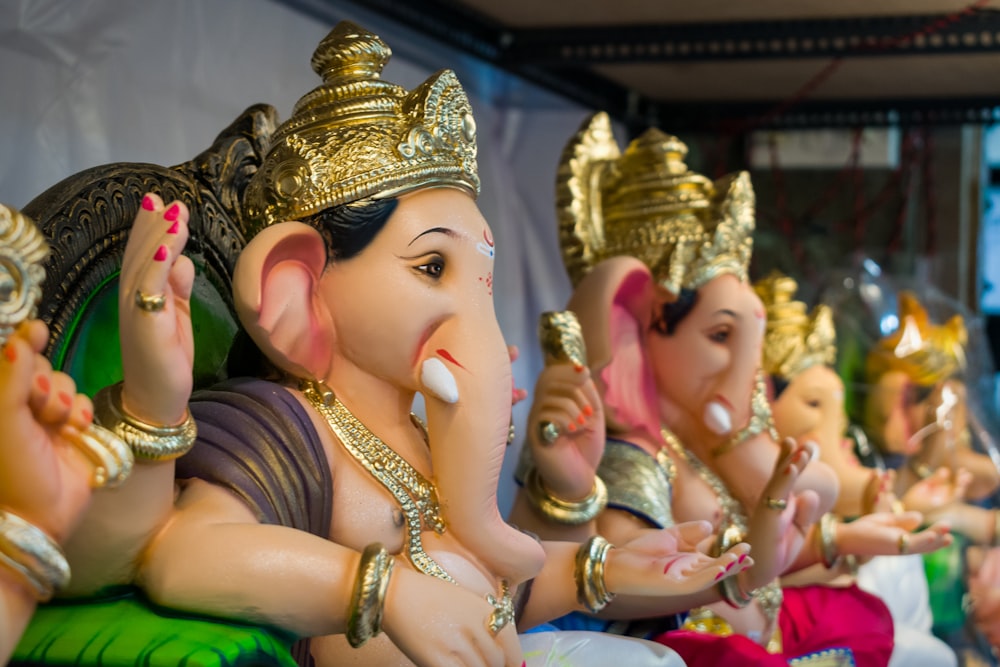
(558, 60)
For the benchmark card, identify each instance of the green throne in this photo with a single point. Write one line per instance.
(86, 219)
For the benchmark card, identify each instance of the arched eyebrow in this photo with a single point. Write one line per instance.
(434, 230)
(726, 311)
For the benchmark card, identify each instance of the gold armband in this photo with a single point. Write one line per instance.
(564, 511)
(827, 540)
(591, 589)
(147, 441)
(33, 556)
(364, 616)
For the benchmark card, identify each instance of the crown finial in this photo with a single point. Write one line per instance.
(348, 53)
(646, 203)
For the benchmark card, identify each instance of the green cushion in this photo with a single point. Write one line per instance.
(128, 631)
(945, 569)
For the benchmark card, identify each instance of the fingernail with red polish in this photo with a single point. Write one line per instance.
(578, 368)
(719, 576)
(43, 383)
(571, 427)
(581, 419)
(87, 415)
(743, 557)
(173, 228)
(730, 566)
(65, 399)
(161, 253)
(172, 213)
(587, 410)
(147, 203)
(9, 353)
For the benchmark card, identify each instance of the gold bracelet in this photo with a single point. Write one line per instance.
(33, 556)
(733, 594)
(565, 511)
(827, 536)
(591, 589)
(364, 616)
(147, 441)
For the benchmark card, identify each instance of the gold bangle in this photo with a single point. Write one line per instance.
(33, 556)
(564, 511)
(147, 441)
(733, 594)
(827, 536)
(591, 590)
(364, 616)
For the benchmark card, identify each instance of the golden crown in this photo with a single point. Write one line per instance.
(647, 204)
(925, 352)
(357, 136)
(794, 341)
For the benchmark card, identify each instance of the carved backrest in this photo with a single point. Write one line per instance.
(86, 219)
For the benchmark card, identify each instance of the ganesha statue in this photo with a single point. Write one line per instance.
(306, 496)
(670, 422)
(800, 349)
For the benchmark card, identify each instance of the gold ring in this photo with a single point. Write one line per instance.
(779, 504)
(548, 431)
(150, 303)
(503, 609)
(904, 544)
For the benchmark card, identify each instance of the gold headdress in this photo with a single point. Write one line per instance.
(647, 204)
(794, 340)
(925, 352)
(356, 136)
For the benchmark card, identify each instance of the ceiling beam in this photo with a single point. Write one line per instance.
(974, 31)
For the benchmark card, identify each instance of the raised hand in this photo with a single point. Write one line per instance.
(44, 478)
(665, 562)
(938, 490)
(155, 314)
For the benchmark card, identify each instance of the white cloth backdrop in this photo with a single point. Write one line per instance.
(87, 82)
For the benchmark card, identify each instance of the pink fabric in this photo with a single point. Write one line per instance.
(812, 619)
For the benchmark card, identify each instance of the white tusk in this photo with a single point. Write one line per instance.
(717, 418)
(439, 380)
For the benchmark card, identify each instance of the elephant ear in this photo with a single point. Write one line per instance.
(277, 296)
(614, 305)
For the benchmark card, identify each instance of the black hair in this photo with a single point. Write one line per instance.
(675, 311)
(346, 230)
(780, 384)
(349, 228)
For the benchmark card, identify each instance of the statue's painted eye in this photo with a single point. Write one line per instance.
(433, 268)
(719, 335)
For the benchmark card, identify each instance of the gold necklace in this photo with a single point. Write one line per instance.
(415, 494)
(734, 518)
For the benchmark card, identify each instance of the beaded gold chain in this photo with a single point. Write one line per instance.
(734, 518)
(415, 494)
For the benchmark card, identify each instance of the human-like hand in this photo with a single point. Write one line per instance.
(665, 562)
(566, 430)
(780, 522)
(888, 534)
(436, 623)
(938, 490)
(155, 314)
(44, 478)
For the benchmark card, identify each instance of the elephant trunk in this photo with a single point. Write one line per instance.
(467, 387)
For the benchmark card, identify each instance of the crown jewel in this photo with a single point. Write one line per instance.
(794, 341)
(356, 136)
(647, 204)
(925, 352)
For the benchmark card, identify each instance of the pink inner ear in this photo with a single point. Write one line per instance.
(631, 391)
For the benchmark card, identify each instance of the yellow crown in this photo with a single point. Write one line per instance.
(356, 136)
(925, 352)
(794, 341)
(647, 204)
